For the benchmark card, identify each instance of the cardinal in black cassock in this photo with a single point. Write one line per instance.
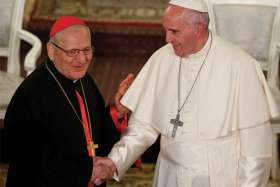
(47, 141)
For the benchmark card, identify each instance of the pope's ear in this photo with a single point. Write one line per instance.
(50, 50)
(200, 30)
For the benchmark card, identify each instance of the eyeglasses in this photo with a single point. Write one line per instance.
(75, 52)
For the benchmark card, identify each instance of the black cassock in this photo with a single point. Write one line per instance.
(46, 141)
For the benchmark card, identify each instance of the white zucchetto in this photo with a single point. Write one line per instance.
(198, 5)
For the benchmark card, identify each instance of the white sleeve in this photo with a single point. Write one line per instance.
(256, 156)
(134, 142)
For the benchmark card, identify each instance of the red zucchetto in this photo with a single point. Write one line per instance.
(64, 22)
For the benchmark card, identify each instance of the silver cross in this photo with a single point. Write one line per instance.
(177, 123)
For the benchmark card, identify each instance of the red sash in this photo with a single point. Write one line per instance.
(86, 128)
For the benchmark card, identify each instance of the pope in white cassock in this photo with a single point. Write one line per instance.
(209, 101)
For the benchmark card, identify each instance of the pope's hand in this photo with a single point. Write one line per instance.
(103, 169)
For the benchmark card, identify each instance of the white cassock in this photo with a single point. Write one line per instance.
(226, 138)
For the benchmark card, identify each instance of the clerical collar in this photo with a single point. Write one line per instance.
(59, 76)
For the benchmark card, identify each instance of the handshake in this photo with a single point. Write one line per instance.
(103, 169)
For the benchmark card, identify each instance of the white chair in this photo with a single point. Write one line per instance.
(11, 33)
(253, 25)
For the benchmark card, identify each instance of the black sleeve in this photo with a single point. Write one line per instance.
(106, 131)
(22, 137)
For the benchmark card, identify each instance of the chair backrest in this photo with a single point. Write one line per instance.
(11, 32)
(253, 25)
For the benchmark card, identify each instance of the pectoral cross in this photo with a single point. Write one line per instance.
(91, 147)
(177, 123)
